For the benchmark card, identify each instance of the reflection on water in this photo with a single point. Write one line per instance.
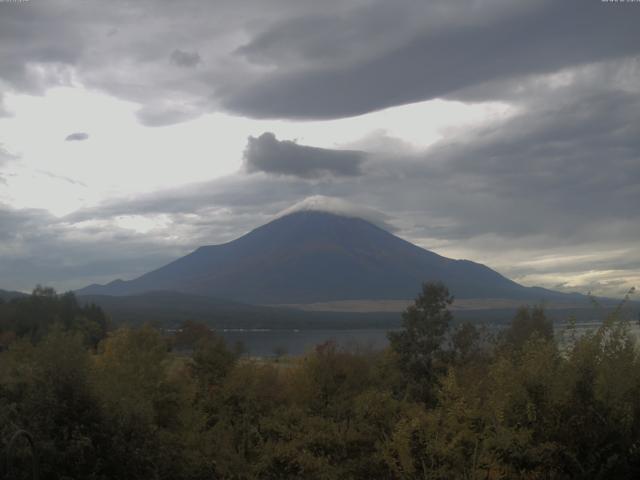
(266, 342)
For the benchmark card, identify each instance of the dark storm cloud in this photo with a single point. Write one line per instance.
(77, 137)
(557, 176)
(123, 48)
(120, 48)
(308, 60)
(283, 157)
(541, 38)
(185, 59)
(335, 37)
(36, 45)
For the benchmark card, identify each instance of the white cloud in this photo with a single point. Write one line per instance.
(338, 206)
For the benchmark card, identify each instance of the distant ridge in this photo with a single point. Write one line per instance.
(315, 256)
(7, 295)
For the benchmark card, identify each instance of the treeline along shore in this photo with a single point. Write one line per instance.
(444, 400)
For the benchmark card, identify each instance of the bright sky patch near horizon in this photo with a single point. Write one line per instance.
(123, 157)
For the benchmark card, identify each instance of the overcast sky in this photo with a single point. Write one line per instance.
(503, 132)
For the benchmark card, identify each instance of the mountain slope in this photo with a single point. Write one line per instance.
(315, 256)
(6, 295)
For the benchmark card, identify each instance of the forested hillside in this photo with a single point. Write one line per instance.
(442, 402)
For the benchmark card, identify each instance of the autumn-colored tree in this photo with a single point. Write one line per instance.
(439, 403)
(526, 323)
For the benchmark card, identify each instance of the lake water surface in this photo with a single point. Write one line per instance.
(265, 342)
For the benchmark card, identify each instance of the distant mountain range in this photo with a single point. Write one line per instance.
(313, 257)
(7, 295)
(169, 309)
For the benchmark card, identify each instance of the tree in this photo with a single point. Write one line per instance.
(526, 323)
(33, 316)
(190, 333)
(143, 403)
(212, 361)
(418, 346)
(46, 390)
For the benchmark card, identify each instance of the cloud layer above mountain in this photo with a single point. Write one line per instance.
(267, 154)
(303, 60)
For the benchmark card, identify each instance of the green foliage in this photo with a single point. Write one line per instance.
(145, 402)
(442, 402)
(212, 361)
(46, 389)
(418, 346)
(526, 323)
(33, 316)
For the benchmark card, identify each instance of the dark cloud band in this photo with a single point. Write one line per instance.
(270, 155)
(303, 61)
(185, 59)
(538, 38)
(77, 137)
